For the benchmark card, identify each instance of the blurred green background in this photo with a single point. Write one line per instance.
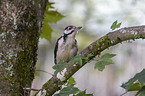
(96, 18)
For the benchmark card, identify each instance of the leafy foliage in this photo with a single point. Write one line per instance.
(104, 60)
(46, 31)
(88, 57)
(59, 67)
(76, 59)
(66, 91)
(137, 83)
(115, 25)
(53, 16)
(36, 74)
(70, 89)
(71, 81)
(83, 93)
(79, 59)
(50, 17)
(141, 92)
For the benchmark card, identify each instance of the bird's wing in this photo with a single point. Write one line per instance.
(55, 50)
(76, 45)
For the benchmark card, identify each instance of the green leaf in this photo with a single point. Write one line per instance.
(46, 31)
(83, 93)
(66, 91)
(71, 81)
(49, 5)
(88, 56)
(36, 74)
(50, 17)
(103, 61)
(115, 25)
(53, 16)
(141, 92)
(108, 61)
(59, 67)
(135, 87)
(99, 66)
(140, 77)
(107, 55)
(76, 59)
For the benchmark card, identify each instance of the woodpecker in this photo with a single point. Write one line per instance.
(66, 46)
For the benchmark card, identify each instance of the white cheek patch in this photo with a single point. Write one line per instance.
(66, 32)
(69, 31)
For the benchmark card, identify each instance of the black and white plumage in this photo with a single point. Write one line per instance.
(66, 46)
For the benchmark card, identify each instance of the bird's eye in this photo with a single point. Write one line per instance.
(69, 28)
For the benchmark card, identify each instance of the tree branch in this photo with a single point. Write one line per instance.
(110, 39)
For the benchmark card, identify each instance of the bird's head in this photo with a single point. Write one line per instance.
(71, 30)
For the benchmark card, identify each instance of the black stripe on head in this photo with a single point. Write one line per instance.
(69, 27)
(65, 35)
(69, 33)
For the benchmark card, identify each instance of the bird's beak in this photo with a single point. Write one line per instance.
(79, 27)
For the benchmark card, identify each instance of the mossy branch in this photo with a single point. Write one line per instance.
(110, 39)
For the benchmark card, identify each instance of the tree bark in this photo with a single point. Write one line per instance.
(20, 27)
(112, 38)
